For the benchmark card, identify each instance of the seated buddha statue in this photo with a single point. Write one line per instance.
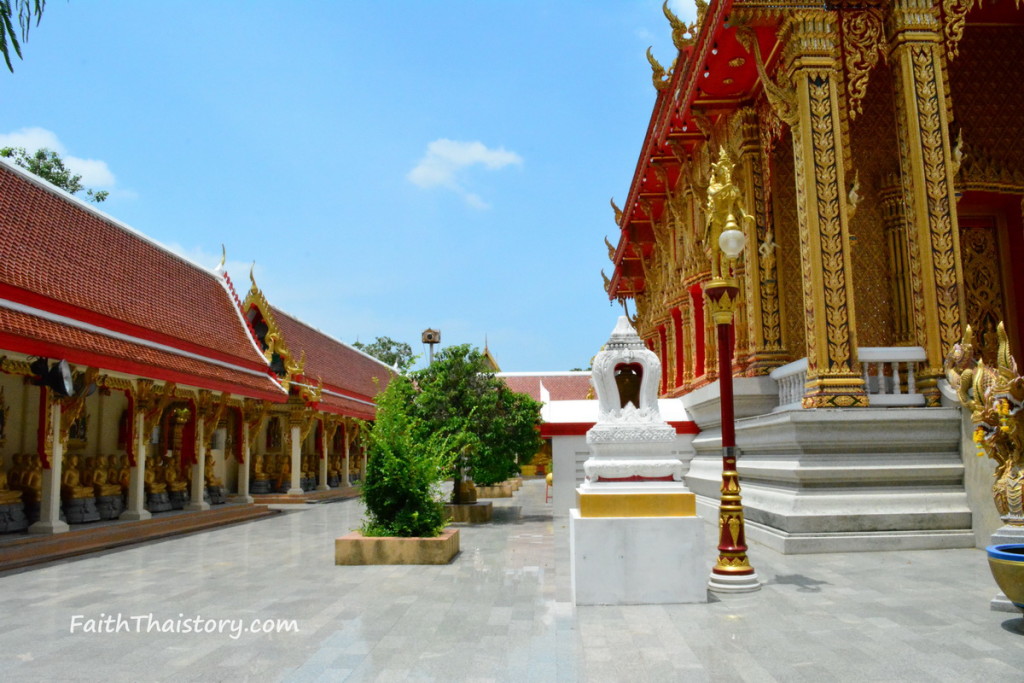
(7, 495)
(154, 478)
(124, 474)
(113, 471)
(259, 469)
(71, 480)
(212, 480)
(334, 467)
(100, 484)
(284, 474)
(171, 478)
(32, 479)
(16, 472)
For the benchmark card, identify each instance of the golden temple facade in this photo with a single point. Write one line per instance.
(878, 149)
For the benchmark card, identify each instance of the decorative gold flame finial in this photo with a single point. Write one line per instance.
(660, 76)
(618, 212)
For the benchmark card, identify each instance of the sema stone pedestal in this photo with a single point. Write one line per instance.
(637, 560)
(634, 536)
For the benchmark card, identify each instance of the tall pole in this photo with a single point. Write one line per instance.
(732, 572)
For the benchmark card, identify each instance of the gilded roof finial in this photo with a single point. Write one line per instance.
(618, 212)
(611, 249)
(607, 282)
(252, 277)
(223, 259)
(660, 76)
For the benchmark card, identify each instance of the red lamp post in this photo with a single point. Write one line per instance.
(732, 572)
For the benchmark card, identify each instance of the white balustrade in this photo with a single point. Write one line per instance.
(888, 373)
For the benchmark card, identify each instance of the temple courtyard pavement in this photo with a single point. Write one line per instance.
(502, 611)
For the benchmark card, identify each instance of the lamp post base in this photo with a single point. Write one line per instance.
(733, 583)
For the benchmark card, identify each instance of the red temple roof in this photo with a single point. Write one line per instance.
(114, 296)
(343, 369)
(561, 386)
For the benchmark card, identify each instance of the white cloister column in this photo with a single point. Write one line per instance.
(243, 467)
(199, 470)
(49, 507)
(136, 509)
(296, 489)
(323, 460)
(345, 480)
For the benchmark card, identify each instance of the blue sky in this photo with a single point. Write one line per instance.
(389, 166)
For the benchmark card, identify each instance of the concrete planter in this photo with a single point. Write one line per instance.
(471, 513)
(496, 491)
(356, 549)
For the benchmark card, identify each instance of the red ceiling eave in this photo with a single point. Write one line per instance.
(671, 109)
(37, 347)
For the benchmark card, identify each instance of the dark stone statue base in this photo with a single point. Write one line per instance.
(216, 495)
(109, 507)
(334, 482)
(78, 510)
(260, 486)
(307, 483)
(12, 517)
(179, 499)
(158, 502)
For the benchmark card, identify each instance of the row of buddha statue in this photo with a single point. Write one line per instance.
(272, 472)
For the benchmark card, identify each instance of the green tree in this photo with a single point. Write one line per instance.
(24, 10)
(401, 489)
(48, 165)
(394, 353)
(488, 426)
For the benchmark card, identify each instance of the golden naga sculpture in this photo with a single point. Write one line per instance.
(995, 397)
(724, 212)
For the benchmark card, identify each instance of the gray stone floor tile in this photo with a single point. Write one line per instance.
(501, 611)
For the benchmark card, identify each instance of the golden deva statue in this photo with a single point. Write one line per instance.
(724, 212)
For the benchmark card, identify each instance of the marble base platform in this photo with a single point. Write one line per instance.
(178, 499)
(216, 495)
(158, 502)
(12, 517)
(78, 510)
(637, 560)
(109, 507)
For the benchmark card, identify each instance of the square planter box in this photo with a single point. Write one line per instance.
(498, 491)
(354, 548)
(471, 513)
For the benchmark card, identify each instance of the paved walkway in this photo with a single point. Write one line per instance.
(501, 611)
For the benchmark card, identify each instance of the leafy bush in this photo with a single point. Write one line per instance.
(401, 489)
(486, 426)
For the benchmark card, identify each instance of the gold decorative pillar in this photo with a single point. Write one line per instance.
(820, 163)
(760, 276)
(922, 121)
(895, 225)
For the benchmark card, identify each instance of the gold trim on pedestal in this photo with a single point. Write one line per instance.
(637, 504)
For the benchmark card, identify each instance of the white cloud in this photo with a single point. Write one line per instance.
(95, 173)
(445, 160)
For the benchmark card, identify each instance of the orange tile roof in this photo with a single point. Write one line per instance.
(561, 386)
(342, 368)
(63, 257)
(31, 335)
